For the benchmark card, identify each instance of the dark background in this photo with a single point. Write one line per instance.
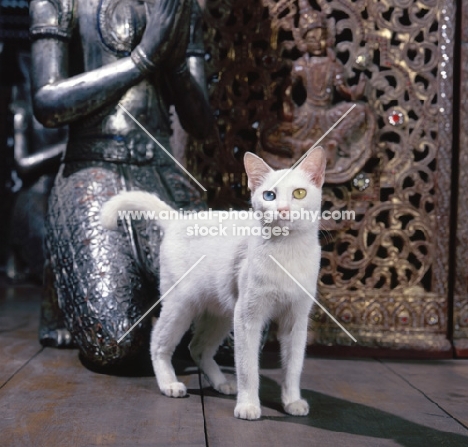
(14, 37)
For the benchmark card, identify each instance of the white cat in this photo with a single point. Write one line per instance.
(238, 283)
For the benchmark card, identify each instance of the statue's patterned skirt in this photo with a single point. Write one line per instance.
(106, 280)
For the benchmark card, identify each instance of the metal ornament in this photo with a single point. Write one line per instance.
(106, 280)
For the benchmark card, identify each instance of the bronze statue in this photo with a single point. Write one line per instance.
(320, 75)
(89, 58)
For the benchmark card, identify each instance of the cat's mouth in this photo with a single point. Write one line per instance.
(281, 223)
(279, 218)
(283, 216)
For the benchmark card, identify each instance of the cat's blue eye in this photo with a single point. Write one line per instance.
(269, 196)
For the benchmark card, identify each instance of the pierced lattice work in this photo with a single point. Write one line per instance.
(383, 275)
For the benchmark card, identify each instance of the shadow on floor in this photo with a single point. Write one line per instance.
(342, 416)
(339, 415)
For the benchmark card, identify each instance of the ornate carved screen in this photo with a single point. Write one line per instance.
(460, 300)
(384, 274)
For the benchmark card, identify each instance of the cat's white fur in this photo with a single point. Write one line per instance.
(237, 284)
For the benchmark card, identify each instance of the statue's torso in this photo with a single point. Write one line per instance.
(318, 75)
(105, 31)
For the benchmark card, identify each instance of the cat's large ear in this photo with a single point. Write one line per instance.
(314, 165)
(256, 170)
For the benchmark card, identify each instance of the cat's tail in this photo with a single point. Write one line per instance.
(133, 204)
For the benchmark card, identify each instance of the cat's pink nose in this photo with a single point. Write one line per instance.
(283, 209)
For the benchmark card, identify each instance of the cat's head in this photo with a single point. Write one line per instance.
(287, 192)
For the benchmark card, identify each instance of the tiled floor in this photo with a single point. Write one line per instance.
(47, 398)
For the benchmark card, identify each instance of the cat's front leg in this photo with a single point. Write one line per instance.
(247, 334)
(292, 335)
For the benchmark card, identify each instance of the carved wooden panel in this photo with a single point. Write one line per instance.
(384, 275)
(460, 301)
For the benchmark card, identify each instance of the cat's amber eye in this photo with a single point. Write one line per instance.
(299, 193)
(269, 196)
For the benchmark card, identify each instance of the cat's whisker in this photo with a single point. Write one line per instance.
(327, 235)
(326, 226)
(330, 237)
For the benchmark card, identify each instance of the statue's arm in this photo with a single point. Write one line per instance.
(298, 73)
(339, 80)
(191, 104)
(25, 162)
(352, 93)
(188, 83)
(58, 99)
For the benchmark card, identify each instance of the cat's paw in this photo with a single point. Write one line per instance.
(247, 411)
(229, 387)
(174, 389)
(297, 408)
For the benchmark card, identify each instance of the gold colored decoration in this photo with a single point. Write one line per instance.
(384, 275)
